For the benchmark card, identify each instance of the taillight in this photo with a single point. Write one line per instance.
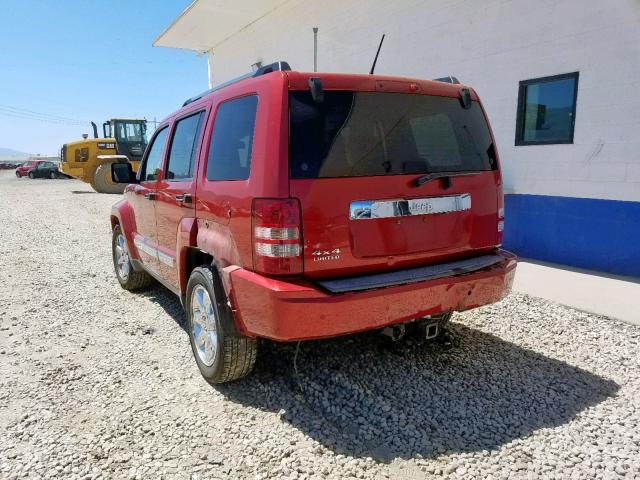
(277, 236)
(500, 220)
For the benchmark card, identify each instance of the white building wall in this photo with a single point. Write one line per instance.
(490, 45)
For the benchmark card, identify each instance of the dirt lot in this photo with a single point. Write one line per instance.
(97, 382)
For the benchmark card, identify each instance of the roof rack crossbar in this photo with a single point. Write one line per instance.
(449, 79)
(272, 67)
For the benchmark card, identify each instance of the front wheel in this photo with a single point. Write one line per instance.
(53, 175)
(128, 278)
(102, 182)
(32, 175)
(18, 174)
(221, 353)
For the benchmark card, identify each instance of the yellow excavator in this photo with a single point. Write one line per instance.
(89, 160)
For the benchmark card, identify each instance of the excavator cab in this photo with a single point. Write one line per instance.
(130, 136)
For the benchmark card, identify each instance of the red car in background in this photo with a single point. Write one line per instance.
(23, 170)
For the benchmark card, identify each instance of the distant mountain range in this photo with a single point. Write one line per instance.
(11, 154)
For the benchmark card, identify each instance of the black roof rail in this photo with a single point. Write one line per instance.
(272, 67)
(449, 79)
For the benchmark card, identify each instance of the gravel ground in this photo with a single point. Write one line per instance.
(97, 382)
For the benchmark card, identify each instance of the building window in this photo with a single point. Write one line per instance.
(547, 110)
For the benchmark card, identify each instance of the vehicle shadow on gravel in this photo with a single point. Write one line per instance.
(169, 302)
(359, 396)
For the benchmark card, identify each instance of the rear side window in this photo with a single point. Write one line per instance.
(154, 158)
(232, 140)
(183, 147)
(355, 134)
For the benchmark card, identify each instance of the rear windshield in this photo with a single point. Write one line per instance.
(356, 134)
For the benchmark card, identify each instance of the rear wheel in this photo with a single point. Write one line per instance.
(18, 174)
(32, 175)
(129, 279)
(53, 175)
(102, 182)
(221, 353)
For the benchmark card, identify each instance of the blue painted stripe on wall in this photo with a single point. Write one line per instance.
(594, 234)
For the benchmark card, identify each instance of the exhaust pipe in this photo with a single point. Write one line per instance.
(95, 130)
(395, 332)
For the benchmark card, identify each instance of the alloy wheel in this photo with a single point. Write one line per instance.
(204, 327)
(122, 258)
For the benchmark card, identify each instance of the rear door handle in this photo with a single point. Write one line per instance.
(150, 196)
(184, 198)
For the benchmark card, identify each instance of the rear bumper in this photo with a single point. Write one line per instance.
(297, 310)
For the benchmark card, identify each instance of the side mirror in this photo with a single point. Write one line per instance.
(123, 173)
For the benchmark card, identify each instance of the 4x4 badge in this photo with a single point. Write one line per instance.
(323, 255)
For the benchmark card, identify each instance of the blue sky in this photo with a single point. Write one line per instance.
(87, 60)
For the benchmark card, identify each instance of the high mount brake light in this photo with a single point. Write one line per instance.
(277, 238)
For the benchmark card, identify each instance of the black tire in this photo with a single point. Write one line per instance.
(32, 175)
(102, 182)
(53, 175)
(235, 355)
(18, 174)
(132, 280)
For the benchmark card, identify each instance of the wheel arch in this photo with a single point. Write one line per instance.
(228, 320)
(122, 214)
(190, 259)
(193, 253)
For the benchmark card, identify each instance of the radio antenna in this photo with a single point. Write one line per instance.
(375, 60)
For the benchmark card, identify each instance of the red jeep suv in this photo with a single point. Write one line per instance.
(295, 206)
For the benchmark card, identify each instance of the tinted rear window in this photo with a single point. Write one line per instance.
(366, 134)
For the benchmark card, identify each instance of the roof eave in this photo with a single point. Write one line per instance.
(172, 24)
